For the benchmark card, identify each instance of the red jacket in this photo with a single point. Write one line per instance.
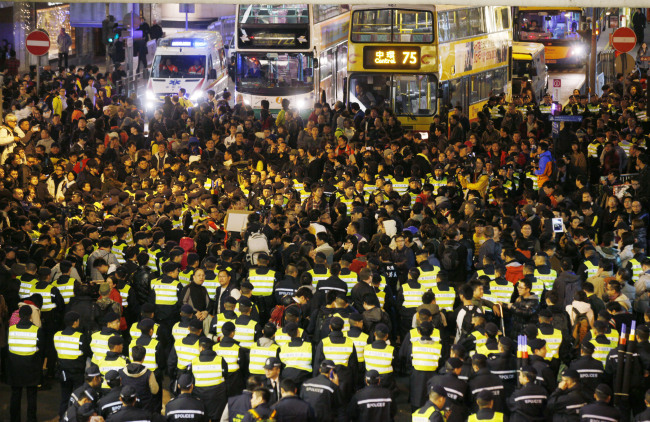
(514, 272)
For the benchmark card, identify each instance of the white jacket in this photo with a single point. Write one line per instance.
(583, 308)
(642, 285)
(7, 140)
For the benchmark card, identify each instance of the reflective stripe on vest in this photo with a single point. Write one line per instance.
(25, 287)
(425, 355)
(245, 334)
(124, 294)
(553, 342)
(99, 346)
(350, 280)
(185, 353)
(413, 297)
(298, 357)
(501, 292)
(110, 365)
(68, 345)
(547, 279)
(428, 279)
(445, 298)
(208, 374)
(602, 349)
(636, 269)
(23, 341)
(480, 339)
(315, 278)
(339, 353)
(424, 415)
(591, 268)
(262, 283)
(359, 344)
(185, 277)
(230, 355)
(221, 320)
(179, 332)
(135, 332)
(380, 360)
(211, 286)
(258, 356)
(46, 294)
(166, 293)
(282, 338)
(66, 290)
(497, 417)
(150, 356)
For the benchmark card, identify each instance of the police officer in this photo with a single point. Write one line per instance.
(590, 370)
(186, 407)
(433, 409)
(228, 348)
(184, 351)
(154, 358)
(601, 410)
(99, 339)
(147, 310)
(25, 363)
(424, 359)
(210, 372)
(53, 306)
(372, 403)
(129, 412)
(263, 278)
(265, 347)
(504, 365)
(93, 380)
(339, 349)
(239, 405)
(645, 415)
(72, 347)
(484, 380)
(528, 402)
(166, 296)
(181, 328)
(83, 409)
(545, 374)
(291, 407)
(322, 392)
(565, 402)
(296, 355)
(486, 412)
(144, 381)
(114, 360)
(110, 402)
(457, 391)
(378, 355)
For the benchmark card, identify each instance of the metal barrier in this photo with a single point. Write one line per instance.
(132, 84)
(627, 176)
(605, 65)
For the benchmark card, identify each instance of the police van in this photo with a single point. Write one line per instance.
(194, 60)
(529, 65)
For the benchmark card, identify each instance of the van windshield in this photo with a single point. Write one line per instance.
(169, 66)
(521, 68)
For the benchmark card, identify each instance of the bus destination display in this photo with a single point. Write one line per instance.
(398, 58)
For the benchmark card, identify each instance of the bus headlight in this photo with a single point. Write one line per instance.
(300, 104)
(151, 95)
(579, 50)
(196, 96)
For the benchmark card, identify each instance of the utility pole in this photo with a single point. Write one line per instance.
(594, 52)
(108, 59)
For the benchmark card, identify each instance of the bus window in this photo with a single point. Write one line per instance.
(370, 90)
(274, 14)
(398, 26)
(274, 73)
(414, 94)
(549, 26)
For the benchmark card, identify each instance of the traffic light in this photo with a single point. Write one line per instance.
(110, 31)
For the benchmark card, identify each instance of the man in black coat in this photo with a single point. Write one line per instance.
(372, 403)
(565, 402)
(528, 402)
(292, 408)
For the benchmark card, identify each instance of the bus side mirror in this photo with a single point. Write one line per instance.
(213, 74)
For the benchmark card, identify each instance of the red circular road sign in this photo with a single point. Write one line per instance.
(624, 40)
(38, 42)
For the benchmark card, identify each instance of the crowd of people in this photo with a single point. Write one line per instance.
(288, 267)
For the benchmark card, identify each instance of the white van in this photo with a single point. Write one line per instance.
(194, 60)
(529, 65)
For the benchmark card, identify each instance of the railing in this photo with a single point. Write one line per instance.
(627, 176)
(132, 84)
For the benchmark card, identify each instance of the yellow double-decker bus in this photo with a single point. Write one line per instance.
(557, 29)
(420, 61)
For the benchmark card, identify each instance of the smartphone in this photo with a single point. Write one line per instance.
(558, 225)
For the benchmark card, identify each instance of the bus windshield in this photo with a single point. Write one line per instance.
(407, 94)
(390, 25)
(275, 73)
(170, 66)
(544, 25)
(274, 14)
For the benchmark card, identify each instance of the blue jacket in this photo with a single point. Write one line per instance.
(544, 158)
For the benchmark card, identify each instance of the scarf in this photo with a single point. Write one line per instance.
(197, 295)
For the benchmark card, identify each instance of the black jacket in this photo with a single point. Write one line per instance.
(599, 412)
(293, 409)
(323, 396)
(565, 405)
(527, 403)
(371, 403)
(185, 407)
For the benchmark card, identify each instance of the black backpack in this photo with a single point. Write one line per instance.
(450, 259)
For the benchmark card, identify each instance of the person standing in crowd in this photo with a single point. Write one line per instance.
(63, 42)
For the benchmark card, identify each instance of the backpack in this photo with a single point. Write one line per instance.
(561, 322)
(257, 244)
(450, 259)
(580, 327)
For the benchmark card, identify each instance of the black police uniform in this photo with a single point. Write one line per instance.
(457, 394)
(372, 403)
(565, 405)
(72, 370)
(504, 365)
(484, 380)
(110, 403)
(238, 406)
(323, 396)
(599, 412)
(214, 397)
(293, 409)
(527, 404)
(591, 373)
(288, 286)
(261, 412)
(643, 416)
(130, 413)
(185, 407)
(79, 392)
(545, 375)
(347, 374)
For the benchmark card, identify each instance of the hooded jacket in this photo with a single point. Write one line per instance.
(583, 308)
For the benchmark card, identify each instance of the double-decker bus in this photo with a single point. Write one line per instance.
(403, 58)
(557, 29)
(293, 51)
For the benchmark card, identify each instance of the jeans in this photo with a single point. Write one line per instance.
(16, 398)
